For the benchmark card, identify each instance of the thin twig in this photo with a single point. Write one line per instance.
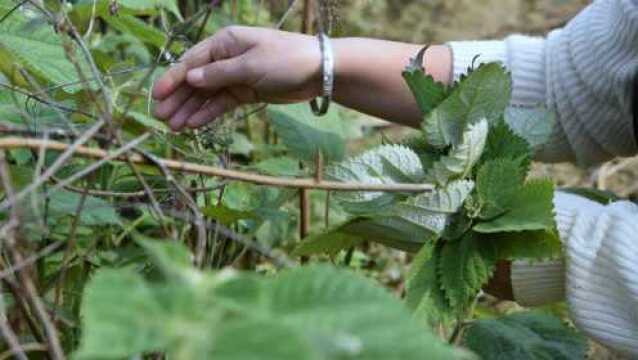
(89, 169)
(299, 183)
(67, 153)
(53, 340)
(31, 259)
(26, 347)
(192, 205)
(280, 260)
(9, 335)
(134, 194)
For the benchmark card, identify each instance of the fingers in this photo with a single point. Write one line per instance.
(215, 107)
(191, 106)
(221, 74)
(226, 43)
(167, 107)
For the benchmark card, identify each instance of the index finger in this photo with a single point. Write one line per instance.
(226, 43)
(176, 74)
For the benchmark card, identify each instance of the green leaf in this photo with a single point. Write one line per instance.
(428, 93)
(330, 242)
(497, 183)
(431, 210)
(502, 142)
(484, 94)
(226, 215)
(95, 211)
(316, 312)
(459, 162)
(148, 121)
(424, 293)
(305, 134)
(129, 24)
(172, 257)
(533, 124)
(279, 166)
(529, 245)
(464, 267)
(393, 231)
(405, 225)
(387, 164)
(34, 45)
(525, 336)
(120, 316)
(345, 316)
(532, 209)
(84, 8)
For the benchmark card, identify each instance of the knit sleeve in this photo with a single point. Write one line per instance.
(583, 72)
(598, 276)
(601, 286)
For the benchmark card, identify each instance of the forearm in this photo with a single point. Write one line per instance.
(368, 76)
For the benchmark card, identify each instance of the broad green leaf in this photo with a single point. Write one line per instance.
(240, 144)
(387, 164)
(226, 215)
(34, 46)
(532, 209)
(95, 211)
(431, 210)
(279, 166)
(459, 162)
(497, 183)
(424, 293)
(395, 232)
(428, 93)
(148, 121)
(344, 316)
(529, 245)
(172, 257)
(387, 230)
(330, 242)
(525, 336)
(258, 339)
(502, 142)
(484, 94)
(143, 31)
(305, 134)
(533, 124)
(316, 312)
(405, 225)
(464, 267)
(120, 315)
(84, 8)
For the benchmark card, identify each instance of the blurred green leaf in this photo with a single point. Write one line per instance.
(524, 336)
(305, 134)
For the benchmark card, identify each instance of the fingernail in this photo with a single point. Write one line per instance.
(195, 76)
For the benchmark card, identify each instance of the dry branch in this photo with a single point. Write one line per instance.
(304, 183)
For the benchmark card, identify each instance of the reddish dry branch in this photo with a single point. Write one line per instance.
(298, 183)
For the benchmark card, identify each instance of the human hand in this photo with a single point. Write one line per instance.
(236, 66)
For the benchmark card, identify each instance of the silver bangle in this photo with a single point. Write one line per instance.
(327, 76)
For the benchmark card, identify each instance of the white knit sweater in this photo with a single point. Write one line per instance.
(584, 73)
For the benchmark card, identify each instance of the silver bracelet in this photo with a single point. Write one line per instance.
(327, 76)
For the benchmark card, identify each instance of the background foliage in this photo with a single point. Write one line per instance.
(112, 259)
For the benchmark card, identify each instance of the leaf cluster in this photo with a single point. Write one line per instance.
(476, 152)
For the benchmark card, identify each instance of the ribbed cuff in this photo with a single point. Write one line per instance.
(463, 52)
(538, 283)
(526, 61)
